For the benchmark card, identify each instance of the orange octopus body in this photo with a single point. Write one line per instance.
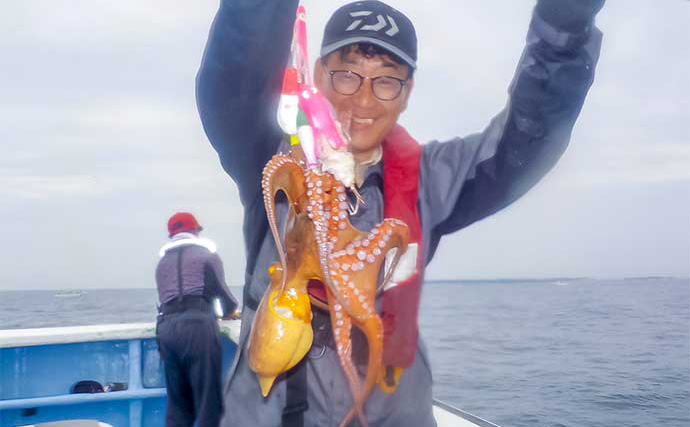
(322, 244)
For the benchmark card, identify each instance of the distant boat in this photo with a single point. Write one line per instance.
(560, 283)
(69, 293)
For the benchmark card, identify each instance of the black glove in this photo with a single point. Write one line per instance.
(569, 15)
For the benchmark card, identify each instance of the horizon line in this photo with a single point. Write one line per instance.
(445, 280)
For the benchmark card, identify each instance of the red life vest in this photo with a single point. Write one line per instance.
(401, 164)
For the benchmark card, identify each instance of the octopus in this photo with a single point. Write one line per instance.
(321, 244)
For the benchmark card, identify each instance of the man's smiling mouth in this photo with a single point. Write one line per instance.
(362, 121)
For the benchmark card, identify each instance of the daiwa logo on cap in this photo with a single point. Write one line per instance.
(379, 25)
(371, 21)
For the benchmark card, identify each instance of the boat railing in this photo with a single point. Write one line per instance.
(41, 366)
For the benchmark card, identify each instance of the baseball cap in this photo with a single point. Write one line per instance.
(375, 22)
(182, 221)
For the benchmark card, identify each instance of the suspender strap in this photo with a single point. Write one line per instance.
(296, 396)
(180, 295)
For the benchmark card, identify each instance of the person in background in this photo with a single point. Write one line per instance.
(366, 70)
(189, 276)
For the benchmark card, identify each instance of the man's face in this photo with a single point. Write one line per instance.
(370, 119)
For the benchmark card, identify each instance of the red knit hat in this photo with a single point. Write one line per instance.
(182, 221)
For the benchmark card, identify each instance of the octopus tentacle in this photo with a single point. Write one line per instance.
(371, 327)
(358, 264)
(321, 193)
(341, 324)
(281, 173)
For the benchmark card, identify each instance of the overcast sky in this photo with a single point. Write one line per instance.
(101, 141)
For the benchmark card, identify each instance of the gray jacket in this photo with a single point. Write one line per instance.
(191, 266)
(461, 180)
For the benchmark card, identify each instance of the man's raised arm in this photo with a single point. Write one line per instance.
(238, 85)
(471, 178)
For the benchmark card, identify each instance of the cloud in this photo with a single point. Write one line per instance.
(44, 186)
(96, 150)
(101, 140)
(74, 24)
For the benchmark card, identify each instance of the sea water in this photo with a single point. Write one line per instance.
(561, 353)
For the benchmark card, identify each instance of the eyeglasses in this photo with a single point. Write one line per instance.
(385, 88)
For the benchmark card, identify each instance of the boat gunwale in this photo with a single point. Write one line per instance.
(10, 338)
(480, 422)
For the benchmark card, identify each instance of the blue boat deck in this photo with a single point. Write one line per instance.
(39, 367)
